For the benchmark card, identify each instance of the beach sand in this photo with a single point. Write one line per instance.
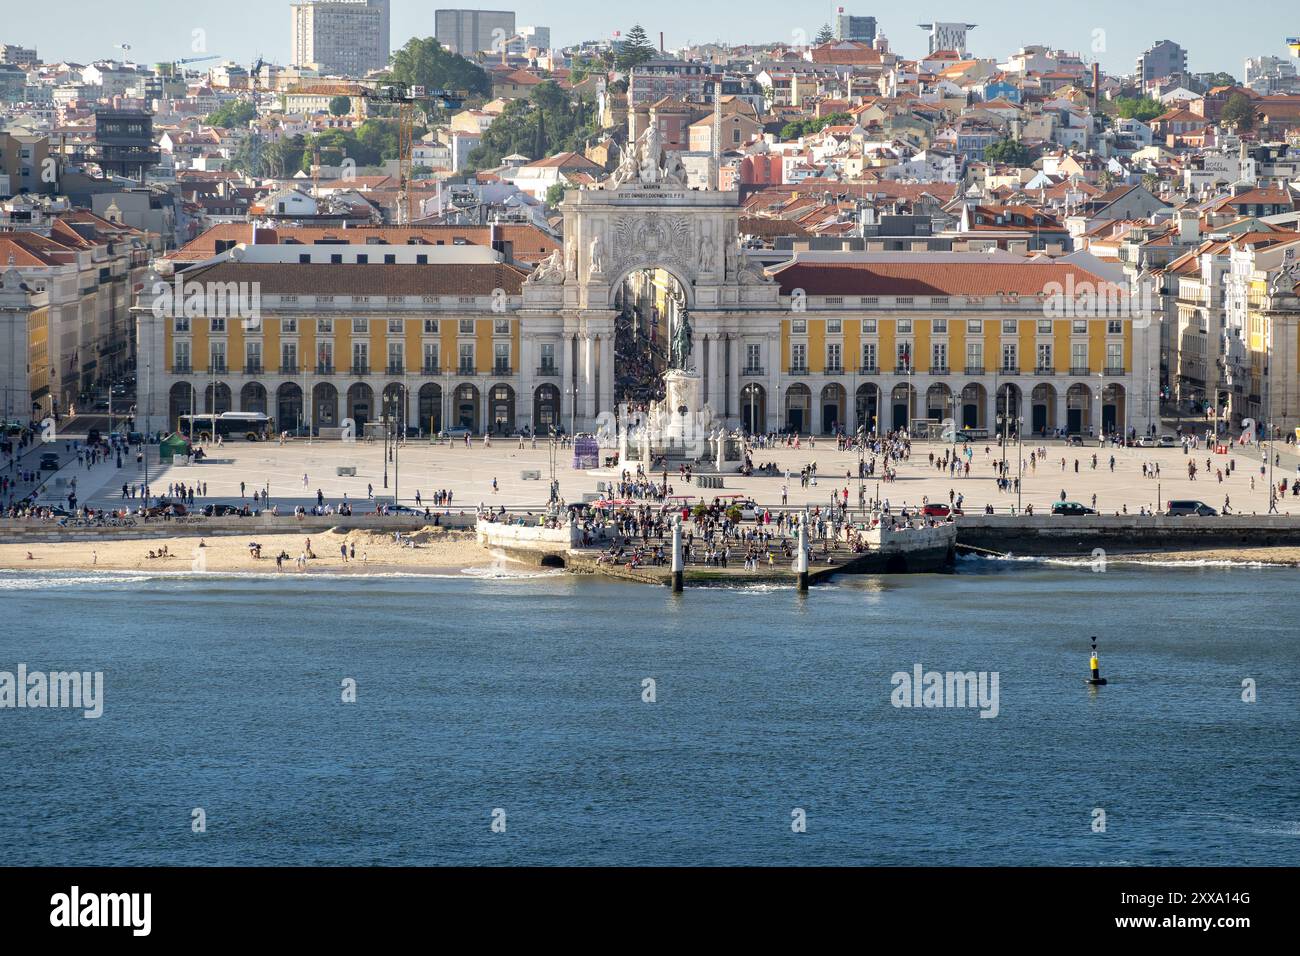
(1288, 556)
(434, 549)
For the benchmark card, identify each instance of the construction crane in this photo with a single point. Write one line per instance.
(255, 141)
(1294, 44)
(404, 98)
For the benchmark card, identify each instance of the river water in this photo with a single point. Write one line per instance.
(521, 699)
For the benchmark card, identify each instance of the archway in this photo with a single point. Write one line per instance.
(325, 405)
(832, 405)
(1043, 409)
(1009, 407)
(902, 403)
(502, 406)
(1078, 409)
(938, 402)
(180, 401)
(223, 398)
(465, 413)
(288, 406)
(1114, 409)
(252, 398)
(974, 401)
(546, 409)
(753, 408)
(867, 407)
(798, 407)
(647, 302)
(361, 401)
(430, 411)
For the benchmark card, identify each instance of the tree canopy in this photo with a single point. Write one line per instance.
(808, 127)
(1010, 152)
(1144, 108)
(549, 121)
(1239, 112)
(236, 113)
(824, 35)
(340, 105)
(425, 62)
(636, 49)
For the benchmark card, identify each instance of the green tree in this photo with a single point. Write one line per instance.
(1010, 152)
(636, 49)
(425, 62)
(1239, 112)
(340, 106)
(1144, 108)
(824, 35)
(550, 120)
(233, 115)
(555, 195)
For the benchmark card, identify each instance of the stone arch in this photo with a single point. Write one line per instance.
(1042, 409)
(832, 408)
(938, 402)
(252, 398)
(546, 409)
(223, 398)
(325, 405)
(288, 406)
(798, 408)
(393, 408)
(684, 280)
(361, 406)
(501, 409)
(866, 407)
(1078, 409)
(465, 406)
(1114, 409)
(753, 408)
(974, 405)
(902, 406)
(180, 401)
(429, 412)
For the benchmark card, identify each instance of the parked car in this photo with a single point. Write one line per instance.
(1075, 440)
(1168, 441)
(49, 461)
(222, 511)
(972, 434)
(1148, 441)
(165, 508)
(1071, 508)
(404, 510)
(1184, 507)
(456, 431)
(938, 510)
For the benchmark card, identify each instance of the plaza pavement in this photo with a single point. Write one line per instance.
(468, 473)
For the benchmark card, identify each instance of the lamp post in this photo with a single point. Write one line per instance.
(1020, 459)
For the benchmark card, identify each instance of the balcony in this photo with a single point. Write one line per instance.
(753, 371)
(360, 368)
(396, 368)
(548, 371)
(291, 370)
(1078, 370)
(502, 370)
(798, 370)
(903, 370)
(868, 369)
(253, 368)
(430, 368)
(1044, 370)
(1009, 370)
(218, 368)
(834, 370)
(1116, 370)
(939, 370)
(466, 370)
(974, 369)
(182, 368)
(324, 368)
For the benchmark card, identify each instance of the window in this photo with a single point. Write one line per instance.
(182, 363)
(1114, 327)
(798, 357)
(390, 259)
(289, 326)
(304, 258)
(362, 259)
(430, 326)
(501, 358)
(869, 326)
(325, 356)
(798, 326)
(1115, 356)
(467, 358)
(833, 326)
(869, 355)
(252, 356)
(833, 357)
(324, 326)
(1009, 359)
(547, 354)
(939, 326)
(466, 326)
(218, 325)
(182, 324)
(1008, 326)
(1079, 326)
(218, 357)
(905, 355)
(903, 300)
(1044, 326)
(395, 326)
(360, 326)
(753, 356)
(501, 326)
(939, 356)
(1044, 357)
(288, 356)
(396, 356)
(974, 327)
(431, 356)
(975, 355)
(904, 326)
(361, 356)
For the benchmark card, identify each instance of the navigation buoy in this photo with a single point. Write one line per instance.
(801, 560)
(678, 563)
(1096, 680)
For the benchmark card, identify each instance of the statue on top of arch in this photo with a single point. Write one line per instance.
(645, 163)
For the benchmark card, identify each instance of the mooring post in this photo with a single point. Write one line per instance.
(801, 559)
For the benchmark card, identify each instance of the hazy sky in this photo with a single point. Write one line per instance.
(1217, 36)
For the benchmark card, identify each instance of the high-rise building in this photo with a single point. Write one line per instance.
(854, 28)
(18, 55)
(472, 31)
(947, 36)
(1164, 59)
(344, 37)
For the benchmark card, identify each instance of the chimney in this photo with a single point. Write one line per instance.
(1189, 227)
(661, 41)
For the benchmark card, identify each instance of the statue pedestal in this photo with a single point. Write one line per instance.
(684, 434)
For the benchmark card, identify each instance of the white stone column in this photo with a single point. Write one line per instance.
(607, 372)
(588, 386)
(524, 365)
(564, 361)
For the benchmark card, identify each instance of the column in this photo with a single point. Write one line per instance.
(564, 361)
(524, 365)
(588, 386)
(772, 358)
(731, 377)
(1062, 406)
(607, 372)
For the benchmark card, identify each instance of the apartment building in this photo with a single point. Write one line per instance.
(341, 37)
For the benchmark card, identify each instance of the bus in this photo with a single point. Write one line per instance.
(251, 425)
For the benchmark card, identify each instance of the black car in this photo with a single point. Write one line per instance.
(222, 511)
(1187, 507)
(49, 462)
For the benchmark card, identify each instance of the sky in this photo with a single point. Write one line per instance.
(1114, 32)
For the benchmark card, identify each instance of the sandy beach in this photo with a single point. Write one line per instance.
(1284, 556)
(430, 549)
